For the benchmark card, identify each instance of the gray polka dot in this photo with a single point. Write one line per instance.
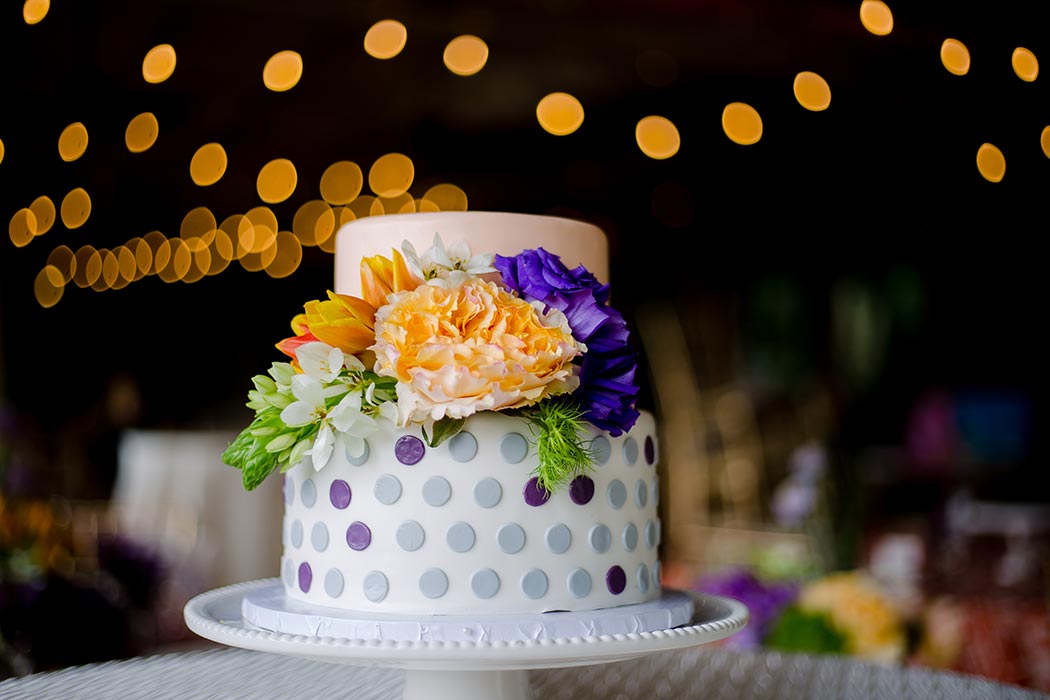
(484, 583)
(297, 534)
(534, 584)
(333, 583)
(630, 451)
(387, 489)
(289, 491)
(376, 586)
(600, 538)
(650, 534)
(630, 537)
(578, 583)
(433, 583)
(654, 490)
(359, 460)
(511, 538)
(514, 448)
(601, 449)
(656, 574)
(288, 573)
(487, 492)
(617, 494)
(643, 578)
(319, 537)
(559, 537)
(460, 537)
(308, 493)
(463, 447)
(410, 535)
(437, 491)
(641, 494)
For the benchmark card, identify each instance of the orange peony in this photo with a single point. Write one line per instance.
(471, 347)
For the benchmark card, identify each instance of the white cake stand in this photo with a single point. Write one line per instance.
(436, 670)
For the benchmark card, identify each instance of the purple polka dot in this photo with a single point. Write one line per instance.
(306, 577)
(581, 490)
(409, 449)
(616, 580)
(339, 494)
(650, 450)
(535, 495)
(358, 536)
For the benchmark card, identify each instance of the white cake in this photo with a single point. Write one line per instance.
(393, 525)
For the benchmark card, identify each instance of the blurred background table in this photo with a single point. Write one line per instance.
(704, 672)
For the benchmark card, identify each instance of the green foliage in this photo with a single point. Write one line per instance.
(443, 430)
(563, 453)
(801, 631)
(266, 445)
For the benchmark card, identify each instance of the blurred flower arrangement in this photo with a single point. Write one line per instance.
(844, 612)
(437, 338)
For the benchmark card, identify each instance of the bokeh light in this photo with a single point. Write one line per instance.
(401, 204)
(198, 223)
(200, 261)
(44, 213)
(142, 132)
(208, 164)
(161, 256)
(314, 222)
(22, 227)
(154, 241)
(991, 163)
(466, 54)
(34, 11)
(955, 57)
(426, 205)
(76, 208)
(277, 180)
(73, 141)
(1, 150)
(1044, 141)
(876, 17)
(391, 175)
(559, 113)
(812, 91)
(446, 197)
(178, 263)
(159, 63)
(88, 267)
(341, 182)
(288, 253)
(283, 71)
(64, 260)
(49, 286)
(657, 137)
(110, 269)
(385, 39)
(126, 264)
(742, 123)
(1025, 64)
(222, 251)
(143, 256)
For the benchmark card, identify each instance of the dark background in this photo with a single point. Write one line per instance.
(880, 193)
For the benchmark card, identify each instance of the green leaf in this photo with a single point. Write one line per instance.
(443, 430)
(562, 452)
(799, 630)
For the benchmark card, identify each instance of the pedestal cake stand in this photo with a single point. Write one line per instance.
(440, 666)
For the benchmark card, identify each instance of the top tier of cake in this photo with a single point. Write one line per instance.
(575, 242)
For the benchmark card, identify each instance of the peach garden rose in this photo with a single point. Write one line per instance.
(472, 347)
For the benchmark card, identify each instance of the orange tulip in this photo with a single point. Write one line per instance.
(343, 321)
(381, 276)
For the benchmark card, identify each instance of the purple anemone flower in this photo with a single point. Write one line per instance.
(764, 601)
(607, 391)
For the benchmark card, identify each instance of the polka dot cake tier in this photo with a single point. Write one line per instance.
(457, 425)
(463, 527)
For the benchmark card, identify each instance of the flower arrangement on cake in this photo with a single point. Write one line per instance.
(438, 337)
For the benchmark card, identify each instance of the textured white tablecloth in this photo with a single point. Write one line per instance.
(706, 673)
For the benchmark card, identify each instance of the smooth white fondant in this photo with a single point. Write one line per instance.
(270, 609)
(410, 537)
(576, 242)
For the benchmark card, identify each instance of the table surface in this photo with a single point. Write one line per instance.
(705, 673)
